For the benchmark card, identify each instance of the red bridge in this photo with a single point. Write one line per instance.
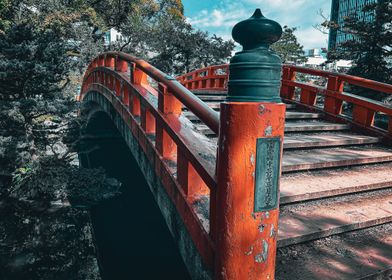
(215, 164)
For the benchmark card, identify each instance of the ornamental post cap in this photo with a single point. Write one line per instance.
(257, 31)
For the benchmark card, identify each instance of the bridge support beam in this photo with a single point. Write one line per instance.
(249, 157)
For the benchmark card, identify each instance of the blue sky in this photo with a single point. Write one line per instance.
(219, 16)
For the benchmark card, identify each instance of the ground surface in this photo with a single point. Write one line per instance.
(40, 241)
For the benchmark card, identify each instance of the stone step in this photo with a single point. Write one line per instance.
(302, 115)
(206, 97)
(292, 127)
(313, 126)
(297, 160)
(289, 115)
(320, 219)
(304, 186)
(216, 106)
(295, 141)
(362, 254)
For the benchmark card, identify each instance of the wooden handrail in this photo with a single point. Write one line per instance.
(154, 116)
(191, 101)
(353, 80)
(364, 108)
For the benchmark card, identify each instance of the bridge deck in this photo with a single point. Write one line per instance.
(336, 169)
(320, 201)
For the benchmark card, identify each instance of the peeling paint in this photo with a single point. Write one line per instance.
(262, 257)
(267, 214)
(249, 252)
(261, 227)
(268, 131)
(259, 258)
(252, 159)
(265, 250)
(261, 109)
(272, 232)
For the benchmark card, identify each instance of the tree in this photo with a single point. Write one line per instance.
(288, 47)
(370, 46)
(161, 35)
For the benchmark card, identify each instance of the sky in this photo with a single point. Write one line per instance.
(219, 16)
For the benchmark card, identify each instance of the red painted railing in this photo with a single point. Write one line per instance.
(183, 160)
(210, 78)
(305, 94)
(151, 104)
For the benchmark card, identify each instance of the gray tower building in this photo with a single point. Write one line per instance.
(340, 10)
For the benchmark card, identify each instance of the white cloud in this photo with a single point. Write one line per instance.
(311, 38)
(294, 13)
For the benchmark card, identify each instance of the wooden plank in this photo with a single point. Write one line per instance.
(290, 127)
(289, 115)
(364, 254)
(314, 221)
(314, 126)
(302, 115)
(303, 186)
(326, 140)
(298, 160)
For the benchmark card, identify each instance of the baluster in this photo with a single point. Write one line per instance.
(147, 120)
(308, 97)
(121, 65)
(332, 104)
(168, 104)
(208, 77)
(117, 86)
(364, 116)
(125, 94)
(188, 178)
(287, 91)
(139, 77)
(109, 61)
(101, 61)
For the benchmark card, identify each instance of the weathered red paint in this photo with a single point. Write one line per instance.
(364, 109)
(131, 97)
(245, 240)
(235, 245)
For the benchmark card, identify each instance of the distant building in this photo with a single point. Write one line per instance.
(316, 52)
(112, 36)
(340, 10)
(317, 59)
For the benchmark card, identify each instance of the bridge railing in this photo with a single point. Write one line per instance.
(209, 78)
(183, 160)
(333, 95)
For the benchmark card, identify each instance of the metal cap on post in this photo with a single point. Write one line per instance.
(249, 156)
(255, 71)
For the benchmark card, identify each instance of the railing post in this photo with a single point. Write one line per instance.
(249, 156)
(121, 65)
(333, 105)
(286, 91)
(168, 104)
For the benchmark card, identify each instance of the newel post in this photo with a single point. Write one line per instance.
(249, 156)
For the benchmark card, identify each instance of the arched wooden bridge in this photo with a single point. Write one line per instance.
(208, 161)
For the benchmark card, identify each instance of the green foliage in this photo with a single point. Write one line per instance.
(288, 47)
(370, 46)
(172, 44)
(50, 178)
(45, 47)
